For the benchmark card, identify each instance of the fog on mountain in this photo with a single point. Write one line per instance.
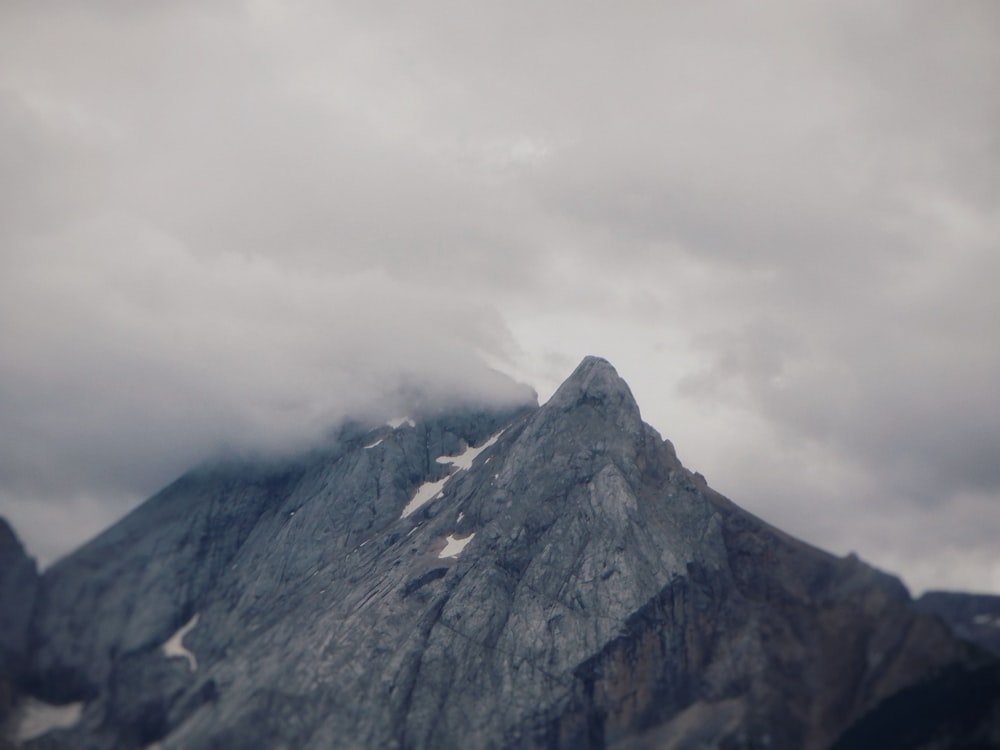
(480, 575)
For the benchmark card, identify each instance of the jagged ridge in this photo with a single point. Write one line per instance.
(604, 596)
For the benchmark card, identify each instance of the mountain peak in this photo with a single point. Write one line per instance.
(596, 383)
(564, 555)
(591, 362)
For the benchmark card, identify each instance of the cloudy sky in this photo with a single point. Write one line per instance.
(225, 225)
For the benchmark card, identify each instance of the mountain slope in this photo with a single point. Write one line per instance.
(546, 577)
(18, 586)
(974, 617)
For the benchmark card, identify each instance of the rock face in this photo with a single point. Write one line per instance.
(974, 617)
(543, 577)
(18, 585)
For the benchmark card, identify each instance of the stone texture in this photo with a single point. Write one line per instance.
(608, 598)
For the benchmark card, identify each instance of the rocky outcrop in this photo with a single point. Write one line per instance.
(972, 617)
(546, 577)
(18, 585)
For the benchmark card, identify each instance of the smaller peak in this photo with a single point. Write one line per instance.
(595, 381)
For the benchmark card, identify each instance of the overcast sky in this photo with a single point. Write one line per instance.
(225, 225)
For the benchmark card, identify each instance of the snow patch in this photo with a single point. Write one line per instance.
(432, 490)
(377, 442)
(175, 644)
(400, 421)
(425, 493)
(987, 619)
(454, 546)
(38, 718)
(461, 515)
(464, 460)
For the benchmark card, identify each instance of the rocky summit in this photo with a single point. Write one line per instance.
(529, 577)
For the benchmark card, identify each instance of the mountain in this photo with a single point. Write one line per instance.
(18, 586)
(535, 577)
(974, 617)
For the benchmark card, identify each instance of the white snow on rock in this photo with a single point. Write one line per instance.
(987, 619)
(432, 490)
(400, 421)
(175, 644)
(461, 515)
(465, 459)
(424, 494)
(377, 442)
(37, 718)
(454, 546)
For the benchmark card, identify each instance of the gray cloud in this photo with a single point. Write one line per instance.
(238, 221)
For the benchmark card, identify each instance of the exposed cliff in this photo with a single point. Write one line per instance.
(546, 577)
(18, 586)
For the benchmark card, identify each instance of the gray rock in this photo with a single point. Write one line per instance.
(973, 617)
(18, 586)
(606, 597)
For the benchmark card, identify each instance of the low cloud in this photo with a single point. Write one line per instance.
(238, 221)
(128, 359)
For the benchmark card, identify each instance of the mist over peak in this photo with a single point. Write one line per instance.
(232, 224)
(118, 376)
